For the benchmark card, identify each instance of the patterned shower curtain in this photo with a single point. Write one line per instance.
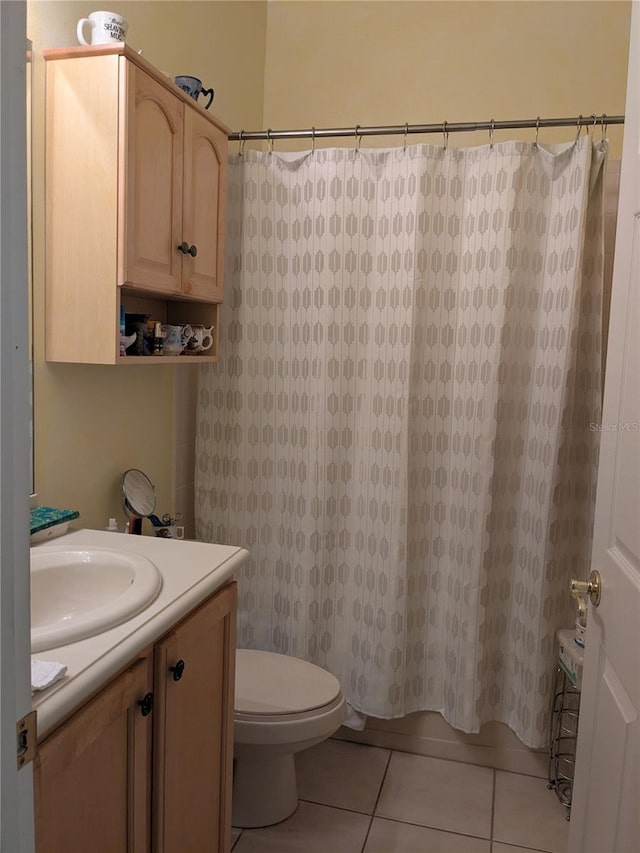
(401, 424)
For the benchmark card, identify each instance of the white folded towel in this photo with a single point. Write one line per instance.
(44, 673)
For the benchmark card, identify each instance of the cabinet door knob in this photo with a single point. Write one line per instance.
(177, 670)
(146, 704)
(184, 248)
(193, 250)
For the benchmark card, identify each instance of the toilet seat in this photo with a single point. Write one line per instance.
(281, 700)
(270, 685)
(276, 719)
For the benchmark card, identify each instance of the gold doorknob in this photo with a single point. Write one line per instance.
(591, 587)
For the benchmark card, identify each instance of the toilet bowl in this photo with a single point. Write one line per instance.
(283, 705)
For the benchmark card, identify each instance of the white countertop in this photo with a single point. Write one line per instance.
(190, 571)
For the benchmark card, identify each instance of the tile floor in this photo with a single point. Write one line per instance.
(362, 799)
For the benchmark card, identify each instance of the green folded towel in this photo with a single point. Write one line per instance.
(47, 516)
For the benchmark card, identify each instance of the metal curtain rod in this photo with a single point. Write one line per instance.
(442, 127)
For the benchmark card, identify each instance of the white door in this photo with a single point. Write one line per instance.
(606, 798)
(16, 798)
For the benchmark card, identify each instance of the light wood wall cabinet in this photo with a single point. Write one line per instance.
(135, 198)
(147, 763)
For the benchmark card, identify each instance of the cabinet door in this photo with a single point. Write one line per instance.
(205, 167)
(150, 183)
(193, 730)
(92, 775)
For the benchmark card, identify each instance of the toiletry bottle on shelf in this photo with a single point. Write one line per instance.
(157, 339)
(112, 526)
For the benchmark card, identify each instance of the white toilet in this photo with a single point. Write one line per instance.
(283, 705)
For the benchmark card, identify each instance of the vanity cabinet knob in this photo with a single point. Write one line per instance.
(146, 704)
(177, 670)
(186, 249)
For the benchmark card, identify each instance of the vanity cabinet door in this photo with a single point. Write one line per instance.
(205, 167)
(92, 775)
(193, 730)
(150, 222)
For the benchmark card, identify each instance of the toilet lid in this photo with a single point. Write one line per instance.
(269, 683)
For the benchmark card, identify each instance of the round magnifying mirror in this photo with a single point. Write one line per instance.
(138, 492)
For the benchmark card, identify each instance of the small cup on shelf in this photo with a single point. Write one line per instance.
(176, 338)
(201, 340)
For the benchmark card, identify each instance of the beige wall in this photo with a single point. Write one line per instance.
(92, 423)
(390, 62)
(222, 42)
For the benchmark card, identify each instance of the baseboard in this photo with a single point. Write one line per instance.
(427, 733)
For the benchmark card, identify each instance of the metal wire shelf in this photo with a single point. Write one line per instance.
(563, 734)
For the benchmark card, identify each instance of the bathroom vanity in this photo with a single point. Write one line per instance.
(135, 745)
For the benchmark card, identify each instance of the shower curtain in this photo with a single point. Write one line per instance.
(401, 426)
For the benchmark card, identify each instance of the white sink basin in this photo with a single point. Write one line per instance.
(77, 593)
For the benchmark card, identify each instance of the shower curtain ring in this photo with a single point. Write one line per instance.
(358, 137)
(593, 126)
(491, 129)
(270, 141)
(537, 131)
(579, 123)
(242, 141)
(313, 139)
(604, 126)
(406, 131)
(445, 134)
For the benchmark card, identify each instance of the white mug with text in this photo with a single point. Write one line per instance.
(106, 28)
